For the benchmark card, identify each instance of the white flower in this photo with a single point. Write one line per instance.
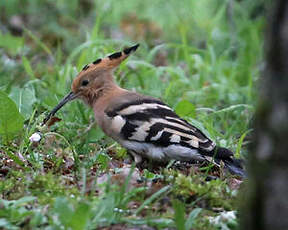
(223, 217)
(230, 215)
(35, 137)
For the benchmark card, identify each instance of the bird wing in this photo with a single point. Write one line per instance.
(149, 120)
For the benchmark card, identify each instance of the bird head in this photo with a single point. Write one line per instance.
(93, 79)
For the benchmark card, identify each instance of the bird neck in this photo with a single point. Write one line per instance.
(109, 89)
(103, 95)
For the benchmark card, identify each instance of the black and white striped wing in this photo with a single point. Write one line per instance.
(152, 121)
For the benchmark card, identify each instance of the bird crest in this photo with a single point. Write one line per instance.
(101, 67)
(110, 62)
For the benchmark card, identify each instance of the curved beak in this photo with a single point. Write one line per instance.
(69, 97)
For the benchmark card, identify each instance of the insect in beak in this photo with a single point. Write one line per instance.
(69, 97)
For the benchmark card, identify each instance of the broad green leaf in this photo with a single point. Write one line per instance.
(81, 217)
(7, 225)
(24, 200)
(185, 108)
(24, 99)
(159, 222)
(64, 210)
(37, 219)
(191, 218)
(11, 121)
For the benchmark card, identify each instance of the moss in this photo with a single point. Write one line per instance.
(12, 187)
(48, 186)
(215, 193)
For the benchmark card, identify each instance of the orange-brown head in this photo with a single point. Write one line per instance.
(94, 79)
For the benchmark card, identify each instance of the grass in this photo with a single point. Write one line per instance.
(203, 58)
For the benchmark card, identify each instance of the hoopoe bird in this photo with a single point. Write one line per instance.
(145, 126)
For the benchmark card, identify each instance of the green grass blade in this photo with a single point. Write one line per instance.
(152, 198)
(28, 67)
(38, 41)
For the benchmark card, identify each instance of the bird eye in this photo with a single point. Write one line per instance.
(85, 82)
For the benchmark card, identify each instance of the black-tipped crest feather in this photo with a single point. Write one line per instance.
(85, 67)
(131, 49)
(115, 55)
(97, 61)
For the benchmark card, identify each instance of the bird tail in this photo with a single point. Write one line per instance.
(235, 166)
